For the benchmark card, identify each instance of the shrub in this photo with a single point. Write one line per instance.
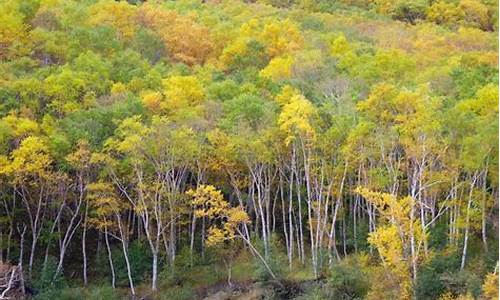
(429, 281)
(348, 278)
(101, 293)
(140, 263)
(441, 275)
(44, 281)
(410, 11)
(277, 260)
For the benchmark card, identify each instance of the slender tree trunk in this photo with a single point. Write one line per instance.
(84, 246)
(123, 240)
(266, 265)
(110, 259)
(483, 212)
(21, 255)
(467, 221)
(129, 269)
(154, 284)
(290, 220)
(192, 236)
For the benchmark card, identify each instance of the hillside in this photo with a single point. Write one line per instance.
(277, 149)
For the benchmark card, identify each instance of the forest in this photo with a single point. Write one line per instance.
(258, 149)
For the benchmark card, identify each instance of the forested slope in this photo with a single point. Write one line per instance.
(336, 149)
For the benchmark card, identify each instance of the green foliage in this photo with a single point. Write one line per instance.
(410, 11)
(469, 78)
(430, 284)
(101, 293)
(349, 279)
(272, 115)
(140, 260)
(127, 65)
(93, 292)
(178, 292)
(277, 260)
(45, 283)
(244, 110)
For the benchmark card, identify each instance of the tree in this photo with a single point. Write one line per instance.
(154, 162)
(295, 120)
(31, 173)
(279, 68)
(116, 15)
(106, 214)
(185, 40)
(182, 92)
(490, 286)
(400, 241)
(13, 30)
(211, 204)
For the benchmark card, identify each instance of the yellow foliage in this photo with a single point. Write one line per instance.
(340, 46)
(442, 12)
(387, 241)
(188, 41)
(394, 239)
(129, 136)
(393, 63)
(216, 236)
(12, 29)
(236, 49)
(281, 38)
(20, 126)
(182, 92)
(485, 102)
(385, 7)
(286, 94)
(239, 48)
(31, 158)
(104, 204)
(152, 101)
(209, 202)
(80, 158)
(236, 215)
(379, 104)
(210, 199)
(295, 118)
(153, 17)
(118, 14)
(279, 68)
(490, 286)
(475, 13)
(118, 88)
(410, 112)
(447, 296)
(467, 296)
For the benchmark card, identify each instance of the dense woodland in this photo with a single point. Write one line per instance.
(334, 149)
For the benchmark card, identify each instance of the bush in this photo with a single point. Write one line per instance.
(313, 293)
(429, 281)
(462, 283)
(410, 11)
(277, 259)
(348, 278)
(442, 275)
(140, 263)
(101, 293)
(44, 281)
(171, 275)
(178, 292)
(62, 294)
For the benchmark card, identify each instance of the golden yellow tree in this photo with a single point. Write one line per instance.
(399, 240)
(209, 202)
